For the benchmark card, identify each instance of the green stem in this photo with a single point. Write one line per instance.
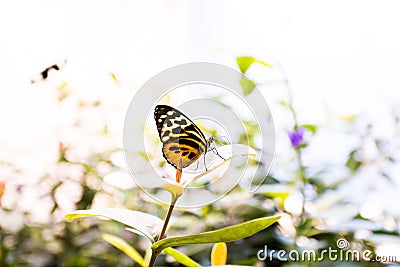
(154, 254)
(301, 175)
(3, 252)
(174, 198)
(166, 221)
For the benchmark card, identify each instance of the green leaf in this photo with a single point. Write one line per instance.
(147, 224)
(263, 63)
(279, 191)
(283, 103)
(247, 85)
(310, 127)
(353, 163)
(245, 62)
(228, 234)
(63, 86)
(350, 117)
(181, 258)
(145, 155)
(113, 76)
(125, 247)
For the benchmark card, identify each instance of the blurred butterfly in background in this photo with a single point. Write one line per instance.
(45, 73)
(183, 141)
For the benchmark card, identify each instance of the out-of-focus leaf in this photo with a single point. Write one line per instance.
(125, 247)
(352, 162)
(88, 193)
(348, 117)
(263, 63)
(63, 85)
(145, 155)
(105, 130)
(181, 258)
(276, 191)
(245, 62)
(219, 254)
(247, 85)
(281, 195)
(113, 76)
(228, 234)
(275, 188)
(149, 225)
(283, 103)
(310, 127)
(132, 230)
(63, 91)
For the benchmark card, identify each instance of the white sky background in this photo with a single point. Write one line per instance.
(343, 55)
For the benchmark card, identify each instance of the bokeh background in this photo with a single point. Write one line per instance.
(334, 69)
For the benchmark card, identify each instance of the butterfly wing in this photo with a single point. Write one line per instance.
(182, 139)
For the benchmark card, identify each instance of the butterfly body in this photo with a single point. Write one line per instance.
(183, 141)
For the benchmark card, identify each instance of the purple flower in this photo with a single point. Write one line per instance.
(296, 137)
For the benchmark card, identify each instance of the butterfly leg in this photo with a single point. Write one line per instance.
(214, 149)
(197, 165)
(205, 166)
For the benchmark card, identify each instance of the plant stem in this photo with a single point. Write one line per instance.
(166, 221)
(153, 258)
(3, 252)
(154, 254)
(302, 173)
(172, 205)
(174, 198)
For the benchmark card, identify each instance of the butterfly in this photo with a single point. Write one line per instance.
(183, 141)
(45, 73)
